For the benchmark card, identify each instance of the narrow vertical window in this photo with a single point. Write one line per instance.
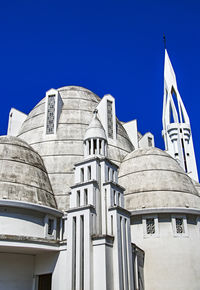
(50, 226)
(100, 146)
(78, 198)
(118, 199)
(149, 141)
(150, 224)
(89, 172)
(89, 147)
(179, 226)
(95, 147)
(82, 174)
(110, 119)
(50, 115)
(85, 196)
(114, 197)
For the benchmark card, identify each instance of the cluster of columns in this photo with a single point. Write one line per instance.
(95, 146)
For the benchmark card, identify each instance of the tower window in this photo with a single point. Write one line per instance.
(179, 226)
(89, 172)
(100, 146)
(150, 142)
(50, 226)
(114, 197)
(85, 196)
(150, 224)
(95, 146)
(82, 174)
(110, 119)
(50, 114)
(78, 198)
(89, 147)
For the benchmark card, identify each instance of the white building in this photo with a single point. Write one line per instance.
(88, 203)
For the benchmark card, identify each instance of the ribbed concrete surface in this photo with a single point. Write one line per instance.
(152, 179)
(62, 151)
(23, 176)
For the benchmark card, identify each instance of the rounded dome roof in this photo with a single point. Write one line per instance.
(61, 151)
(197, 186)
(23, 176)
(95, 129)
(153, 179)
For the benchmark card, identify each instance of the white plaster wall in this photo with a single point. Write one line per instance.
(16, 271)
(170, 262)
(16, 119)
(51, 263)
(131, 129)
(59, 278)
(143, 142)
(16, 223)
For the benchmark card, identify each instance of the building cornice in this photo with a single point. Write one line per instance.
(31, 206)
(194, 211)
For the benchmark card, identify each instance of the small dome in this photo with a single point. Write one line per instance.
(23, 176)
(153, 179)
(95, 129)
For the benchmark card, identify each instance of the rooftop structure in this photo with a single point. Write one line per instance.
(89, 203)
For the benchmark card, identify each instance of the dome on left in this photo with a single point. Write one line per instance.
(23, 176)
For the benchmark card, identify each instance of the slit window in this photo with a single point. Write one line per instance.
(85, 196)
(100, 146)
(89, 147)
(150, 142)
(95, 146)
(50, 226)
(78, 198)
(114, 197)
(82, 174)
(89, 172)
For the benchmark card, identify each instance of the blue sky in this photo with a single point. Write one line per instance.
(111, 46)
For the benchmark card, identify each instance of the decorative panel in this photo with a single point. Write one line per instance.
(150, 226)
(110, 119)
(50, 115)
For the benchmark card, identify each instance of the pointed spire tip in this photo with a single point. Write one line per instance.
(164, 40)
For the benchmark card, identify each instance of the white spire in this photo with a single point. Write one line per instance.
(176, 124)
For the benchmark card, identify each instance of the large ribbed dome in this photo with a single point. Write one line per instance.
(62, 151)
(23, 176)
(153, 179)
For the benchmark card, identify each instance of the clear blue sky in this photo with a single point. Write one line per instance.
(112, 46)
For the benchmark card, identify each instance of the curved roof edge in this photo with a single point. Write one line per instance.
(161, 210)
(31, 206)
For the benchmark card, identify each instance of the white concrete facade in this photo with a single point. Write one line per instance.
(88, 203)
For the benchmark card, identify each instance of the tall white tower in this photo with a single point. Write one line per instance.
(176, 124)
(100, 253)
